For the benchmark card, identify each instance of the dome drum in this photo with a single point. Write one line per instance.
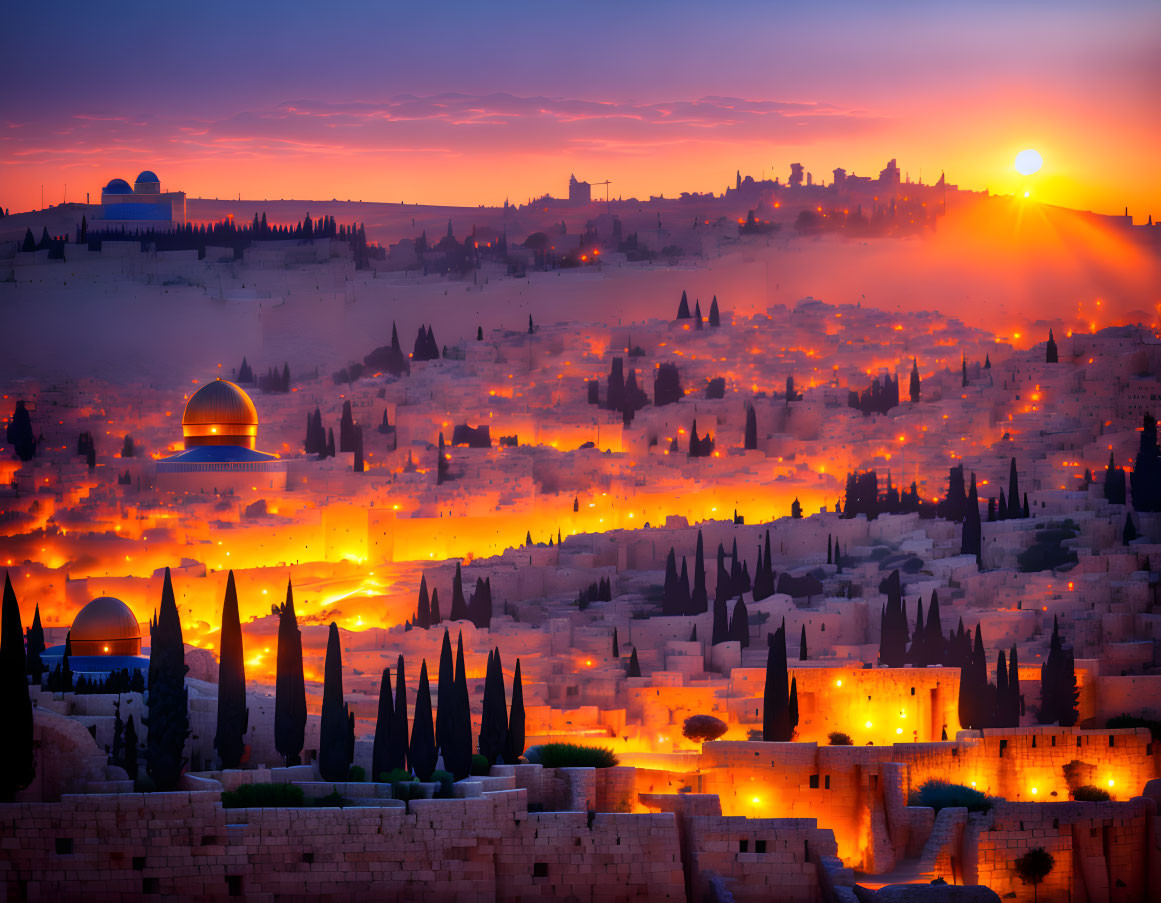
(106, 626)
(220, 413)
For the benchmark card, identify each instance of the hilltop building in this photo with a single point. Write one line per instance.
(579, 192)
(142, 206)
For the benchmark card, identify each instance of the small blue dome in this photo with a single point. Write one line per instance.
(118, 186)
(148, 176)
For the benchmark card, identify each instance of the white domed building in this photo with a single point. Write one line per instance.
(140, 207)
(220, 430)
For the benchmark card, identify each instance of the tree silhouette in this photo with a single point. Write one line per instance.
(1034, 866)
(334, 763)
(384, 724)
(514, 743)
(422, 753)
(17, 759)
(167, 700)
(233, 716)
(289, 687)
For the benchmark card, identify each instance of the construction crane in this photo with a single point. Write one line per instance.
(606, 183)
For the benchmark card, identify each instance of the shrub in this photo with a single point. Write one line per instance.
(942, 795)
(479, 766)
(571, 755)
(250, 796)
(334, 798)
(702, 728)
(1091, 794)
(407, 791)
(446, 781)
(395, 776)
(357, 774)
(1034, 866)
(838, 738)
(1121, 721)
(1078, 774)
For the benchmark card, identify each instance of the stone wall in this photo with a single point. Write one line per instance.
(186, 847)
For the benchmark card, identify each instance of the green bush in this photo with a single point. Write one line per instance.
(1122, 721)
(357, 774)
(406, 791)
(333, 799)
(942, 795)
(1090, 794)
(250, 796)
(395, 776)
(446, 781)
(571, 755)
(480, 766)
(838, 738)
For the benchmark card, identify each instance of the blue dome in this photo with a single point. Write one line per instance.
(148, 176)
(118, 186)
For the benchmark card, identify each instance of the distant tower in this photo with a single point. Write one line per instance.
(890, 175)
(579, 192)
(840, 176)
(738, 182)
(795, 175)
(809, 179)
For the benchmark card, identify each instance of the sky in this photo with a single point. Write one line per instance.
(472, 103)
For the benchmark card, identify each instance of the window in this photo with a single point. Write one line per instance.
(64, 846)
(814, 782)
(234, 885)
(1112, 740)
(743, 846)
(826, 782)
(540, 870)
(139, 863)
(150, 886)
(759, 846)
(912, 691)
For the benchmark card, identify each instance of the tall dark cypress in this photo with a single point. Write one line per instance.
(233, 716)
(792, 707)
(1013, 492)
(972, 538)
(1058, 690)
(914, 380)
(721, 627)
(436, 617)
(634, 665)
(167, 700)
(289, 687)
(384, 725)
(740, 623)
(1002, 707)
(514, 743)
(459, 607)
(333, 761)
(981, 706)
(445, 692)
(347, 429)
(397, 750)
(934, 645)
(17, 759)
(751, 438)
(698, 598)
(669, 598)
(776, 726)
(422, 753)
(494, 722)
(616, 645)
(460, 742)
(802, 656)
(423, 607)
(683, 596)
(1013, 689)
(35, 648)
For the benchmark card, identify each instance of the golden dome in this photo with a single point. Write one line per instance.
(219, 413)
(105, 626)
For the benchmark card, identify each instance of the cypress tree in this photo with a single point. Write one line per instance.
(669, 597)
(397, 750)
(802, 656)
(167, 700)
(699, 599)
(616, 645)
(721, 628)
(1013, 689)
(1114, 483)
(776, 695)
(131, 749)
(289, 687)
(682, 308)
(740, 623)
(423, 608)
(17, 759)
(35, 648)
(494, 720)
(918, 655)
(333, 761)
(715, 318)
(1002, 513)
(683, 597)
(459, 607)
(233, 716)
(793, 707)
(1002, 705)
(751, 437)
(634, 665)
(436, 618)
(347, 429)
(421, 753)
(444, 693)
(972, 536)
(514, 743)
(460, 723)
(1051, 353)
(1027, 512)
(914, 380)
(1130, 532)
(934, 645)
(384, 724)
(829, 551)
(1058, 691)
(1013, 492)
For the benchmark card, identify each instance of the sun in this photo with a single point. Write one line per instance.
(1028, 162)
